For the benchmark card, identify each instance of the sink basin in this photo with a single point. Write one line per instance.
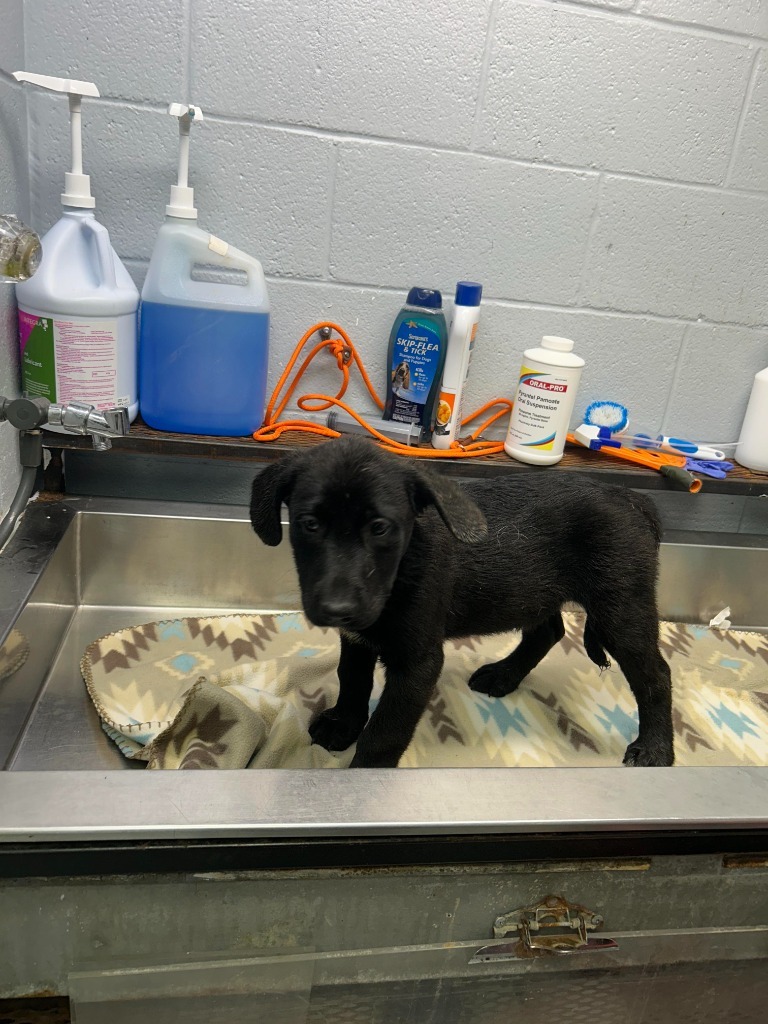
(79, 568)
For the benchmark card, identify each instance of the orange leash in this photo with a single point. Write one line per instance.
(346, 357)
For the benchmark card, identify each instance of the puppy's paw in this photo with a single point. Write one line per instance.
(649, 755)
(495, 680)
(335, 732)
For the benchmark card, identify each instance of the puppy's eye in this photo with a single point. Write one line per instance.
(309, 524)
(378, 527)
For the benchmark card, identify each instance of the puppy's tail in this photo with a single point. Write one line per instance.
(594, 648)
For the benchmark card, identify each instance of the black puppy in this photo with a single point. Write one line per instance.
(399, 559)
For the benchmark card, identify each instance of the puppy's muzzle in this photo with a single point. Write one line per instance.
(337, 611)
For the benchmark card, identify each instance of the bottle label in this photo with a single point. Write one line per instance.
(540, 397)
(415, 360)
(66, 360)
(449, 413)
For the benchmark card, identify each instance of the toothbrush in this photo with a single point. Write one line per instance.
(612, 418)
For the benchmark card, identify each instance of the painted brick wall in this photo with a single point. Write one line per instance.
(600, 165)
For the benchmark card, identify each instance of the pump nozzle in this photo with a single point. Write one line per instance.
(77, 186)
(182, 202)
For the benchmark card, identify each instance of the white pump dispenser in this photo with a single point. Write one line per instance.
(78, 313)
(77, 186)
(182, 202)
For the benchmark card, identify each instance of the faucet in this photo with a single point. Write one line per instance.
(75, 417)
(28, 415)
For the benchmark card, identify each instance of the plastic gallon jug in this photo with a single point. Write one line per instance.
(78, 313)
(204, 323)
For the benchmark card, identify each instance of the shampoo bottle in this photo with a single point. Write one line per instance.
(204, 340)
(546, 393)
(415, 359)
(461, 344)
(78, 313)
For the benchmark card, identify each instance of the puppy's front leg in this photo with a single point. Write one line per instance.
(338, 727)
(407, 691)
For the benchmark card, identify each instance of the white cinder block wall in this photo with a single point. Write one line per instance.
(601, 166)
(14, 198)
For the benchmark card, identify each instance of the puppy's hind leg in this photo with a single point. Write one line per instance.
(337, 728)
(635, 646)
(503, 677)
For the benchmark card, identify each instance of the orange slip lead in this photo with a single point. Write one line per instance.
(346, 356)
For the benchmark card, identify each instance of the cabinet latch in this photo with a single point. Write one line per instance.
(553, 926)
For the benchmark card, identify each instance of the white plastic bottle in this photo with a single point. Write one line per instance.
(461, 344)
(204, 337)
(78, 313)
(752, 449)
(546, 393)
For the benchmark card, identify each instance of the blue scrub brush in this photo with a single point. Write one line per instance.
(611, 416)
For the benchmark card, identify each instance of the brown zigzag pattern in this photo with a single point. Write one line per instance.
(139, 641)
(687, 733)
(742, 644)
(441, 721)
(675, 639)
(570, 729)
(316, 701)
(464, 641)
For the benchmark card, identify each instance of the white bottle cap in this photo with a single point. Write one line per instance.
(182, 202)
(77, 186)
(557, 344)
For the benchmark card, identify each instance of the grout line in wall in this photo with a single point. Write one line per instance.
(747, 102)
(678, 26)
(675, 378)
(485, 68)
(331, 203)
(186, 42)
(7, 77)
(549, 307)
(339, 135)
(593, 223)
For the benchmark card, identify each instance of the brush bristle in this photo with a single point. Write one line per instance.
(611, 415)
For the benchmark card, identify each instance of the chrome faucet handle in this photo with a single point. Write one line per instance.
(104, 425)
(81, 418)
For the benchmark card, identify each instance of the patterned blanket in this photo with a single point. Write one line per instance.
(239, 691)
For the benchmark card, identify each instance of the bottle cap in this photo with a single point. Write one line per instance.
(468, 293)
(558, 344)
(429, 298)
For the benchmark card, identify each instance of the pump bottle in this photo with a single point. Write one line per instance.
(78, 313)
(204, 341)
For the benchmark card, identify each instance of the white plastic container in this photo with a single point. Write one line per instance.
(546, 393)
(461, 344)
(78, 313)
(204, 337)
(752, 449)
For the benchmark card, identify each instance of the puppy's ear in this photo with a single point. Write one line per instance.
(268, 492)
(457, 510)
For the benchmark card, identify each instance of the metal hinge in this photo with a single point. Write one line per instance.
(551, 927)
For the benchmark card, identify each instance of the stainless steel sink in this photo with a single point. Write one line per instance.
(81, 568)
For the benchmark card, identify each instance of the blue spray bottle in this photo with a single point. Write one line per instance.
(204, 328)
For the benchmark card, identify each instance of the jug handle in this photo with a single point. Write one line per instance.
(203, 251)
(103, 253)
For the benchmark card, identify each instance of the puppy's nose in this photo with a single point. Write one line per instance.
(338, 611)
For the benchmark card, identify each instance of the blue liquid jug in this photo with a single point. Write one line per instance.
(203, 335)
